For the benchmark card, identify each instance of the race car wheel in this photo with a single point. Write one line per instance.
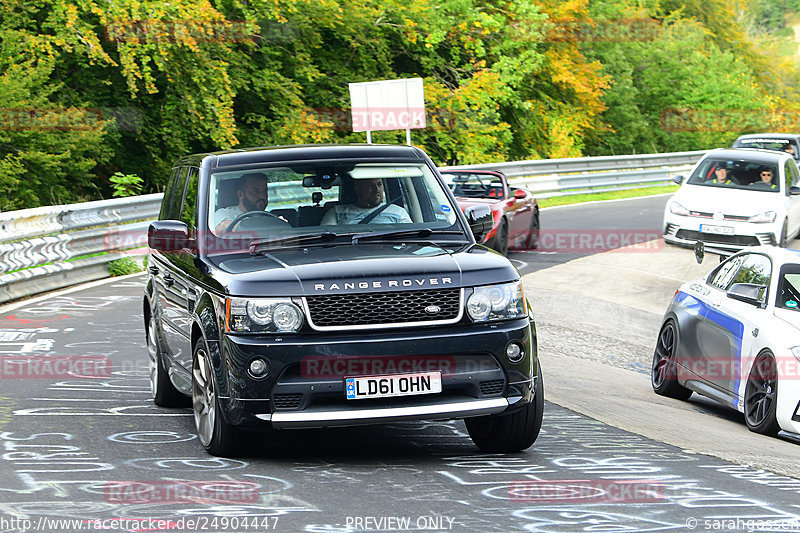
(664, 375)
(501, 238)
(761, 396)
(216, 435)
(509, 433)
(164, 392)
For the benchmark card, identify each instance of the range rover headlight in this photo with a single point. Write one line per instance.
(262, 315)
(496, 302)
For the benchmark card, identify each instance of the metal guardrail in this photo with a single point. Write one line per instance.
(48, 248)
(582, 175)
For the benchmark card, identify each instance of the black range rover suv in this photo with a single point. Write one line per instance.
(313, 286)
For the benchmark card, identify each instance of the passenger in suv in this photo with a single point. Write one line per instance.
(297, 324)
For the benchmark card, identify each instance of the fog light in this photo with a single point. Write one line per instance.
(514, 352)
(258, 368)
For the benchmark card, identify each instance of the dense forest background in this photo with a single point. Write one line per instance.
(93, 88)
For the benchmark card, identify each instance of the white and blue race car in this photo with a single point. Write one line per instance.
(734, 336)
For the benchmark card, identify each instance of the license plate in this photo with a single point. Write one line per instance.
(719, 230)
(393, 385)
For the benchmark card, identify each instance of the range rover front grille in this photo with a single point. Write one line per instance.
(287, 401)
(494, 386)
(384, 308)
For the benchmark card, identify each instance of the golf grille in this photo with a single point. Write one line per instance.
(376, 308)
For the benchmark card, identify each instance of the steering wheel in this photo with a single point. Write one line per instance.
(250, 214)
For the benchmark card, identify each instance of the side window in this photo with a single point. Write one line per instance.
(756, 269)
(792, 175)
(165, 202)
(723, 276)
(189, 212)
(175, 199)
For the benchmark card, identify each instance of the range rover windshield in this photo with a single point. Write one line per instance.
(752, 175)
(293, 203)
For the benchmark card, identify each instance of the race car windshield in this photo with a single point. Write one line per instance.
(736, 174)
(277, 202)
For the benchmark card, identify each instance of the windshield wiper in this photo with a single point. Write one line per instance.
(259, 245)
(423, 233)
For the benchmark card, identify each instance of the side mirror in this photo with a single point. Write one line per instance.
(169, 236)
(678, 180)
(519, 194)
(699, 251)
(746, 292)
(479, 218)
(794, 190)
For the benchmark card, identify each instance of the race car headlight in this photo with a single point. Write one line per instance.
(677, 209)
(496, 302)
(796, 352)
(262, 315)
(769, 216)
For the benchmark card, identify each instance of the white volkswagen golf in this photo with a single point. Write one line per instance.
(736, 198)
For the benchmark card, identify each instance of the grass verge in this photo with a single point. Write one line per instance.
(611, 195)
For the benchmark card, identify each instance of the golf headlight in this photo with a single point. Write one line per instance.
(496, 302)
(769, 216)
(677, 209)
(267, 315)
(796, 352)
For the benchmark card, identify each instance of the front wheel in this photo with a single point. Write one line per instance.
(784, 242)
(533, 237)
(761, 396)
(216, 435)
(509, 433)
(501, 238)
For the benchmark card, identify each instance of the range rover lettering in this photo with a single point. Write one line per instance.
(316, 286)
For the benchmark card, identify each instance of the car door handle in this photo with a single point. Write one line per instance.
(168, 281)
(153, 269)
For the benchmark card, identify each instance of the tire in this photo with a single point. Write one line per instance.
(761, 396)
(784, 242)
(215, 434)
(663, 372)
(164, 392)
(533, 237)
(500, 243)
(509, 433)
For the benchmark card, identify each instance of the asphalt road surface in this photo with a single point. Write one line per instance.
(80, 440)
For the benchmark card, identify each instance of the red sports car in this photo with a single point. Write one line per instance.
(515, 211)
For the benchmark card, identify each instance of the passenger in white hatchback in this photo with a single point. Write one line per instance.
(765, 183)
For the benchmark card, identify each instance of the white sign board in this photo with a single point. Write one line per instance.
(388, 105)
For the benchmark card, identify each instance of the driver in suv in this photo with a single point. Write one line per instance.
(251, 190)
